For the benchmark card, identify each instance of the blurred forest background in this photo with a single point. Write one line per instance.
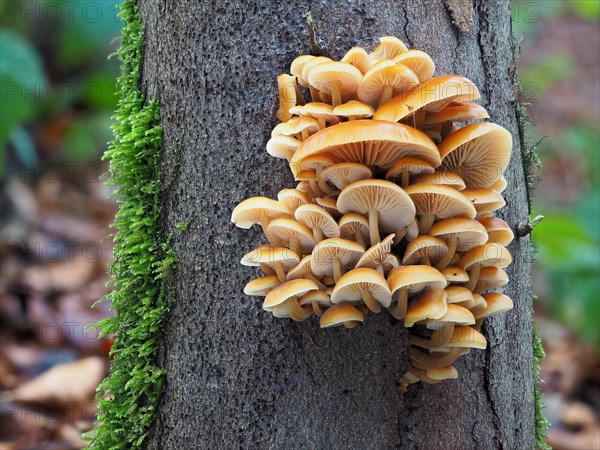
(57, 87)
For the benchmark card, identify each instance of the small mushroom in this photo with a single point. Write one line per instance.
(385, 80)
(317, 300)
(426, 361)
(427, 250)
(434, 201)
(355, 226)
(496, 304)
(455, 274)
(336, 79)
(500, 185)
(386, 205)
(354, 110)
(343, 174)
(378, 257)
(322, 112)
(406, 167)
(279, 259)
(363, 285)
(431, 304)
(479, 306)
(490, 278)
(460, 295)
(299, 127)
(460, 234)
(303, 270)
(457, 112)
(330, 205)
(442, 373)
(293, 198)
(359, 58)
(341, 314)
(332, 257)
(287, 96)
(408, 280)
(298, 65)
(485, 201)
(419, 62)
(467, 337)
(442, 177)
(369, 142)
(490, 254)
(498, 230)
(478, 153)
(260, 210)
(389, 48)
(283, 147)
(291, 234)
(283, 300)
(259, 287)
(433, 95)
(306, 68)
(318, 220)
(443, 327)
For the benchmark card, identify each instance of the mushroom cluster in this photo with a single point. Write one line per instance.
(394, 206)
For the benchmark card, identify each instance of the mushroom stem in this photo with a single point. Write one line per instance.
(422, 360)
(452, 243)
(317, 309)
(412, 231)
(322, 123)
(422, 375)
(266, 269)
(399, 311)
(337, 269)
(298, 313)
(399, 235)
(446, 129)
(317, 234)
(370, 301)
(309, 276)
(314, 94)
(304, 134)
(386, 94)
(473, 277)
(351, 118)
(321, 182)
(374, 226)
(438, 339)
(336, 95)
(425, 223)
(404, 179)
(280, 272)
(479, 287)
(264, 223)
(295, 246)
(358, 237)
(315, 187)
(351, 323)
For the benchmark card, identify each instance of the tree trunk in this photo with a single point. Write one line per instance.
(236, 376)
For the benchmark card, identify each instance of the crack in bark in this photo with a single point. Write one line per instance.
(488, 394)
(405, 27)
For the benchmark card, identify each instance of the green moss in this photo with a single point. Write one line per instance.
(530, 151)
(129, 395)
(541, 422)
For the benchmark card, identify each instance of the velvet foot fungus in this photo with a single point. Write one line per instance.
(399, 177)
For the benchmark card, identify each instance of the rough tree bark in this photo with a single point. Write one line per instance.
(238, 377)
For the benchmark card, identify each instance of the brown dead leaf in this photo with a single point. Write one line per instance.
(64, 384)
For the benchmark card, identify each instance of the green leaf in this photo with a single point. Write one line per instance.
(22, 78)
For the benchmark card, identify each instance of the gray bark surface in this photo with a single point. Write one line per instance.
(236, 376)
